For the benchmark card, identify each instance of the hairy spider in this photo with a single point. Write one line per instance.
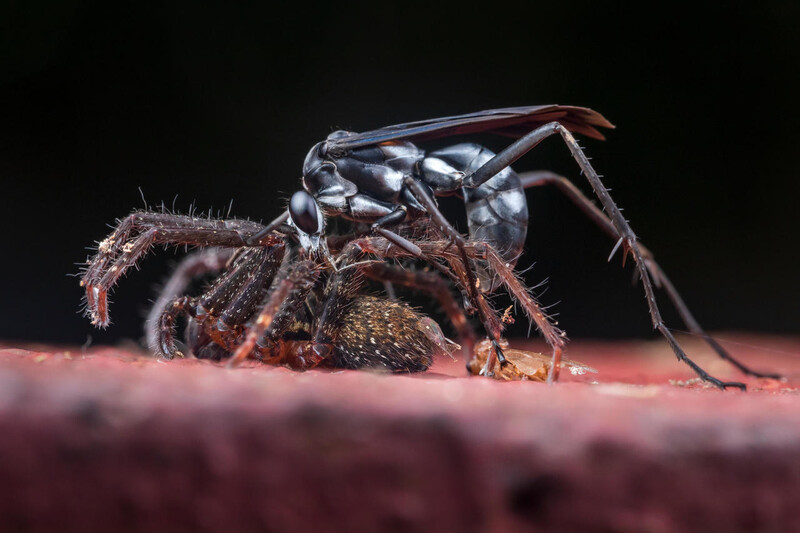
(336, 326)
(275, 302)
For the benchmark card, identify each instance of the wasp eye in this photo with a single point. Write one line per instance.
(304, 213)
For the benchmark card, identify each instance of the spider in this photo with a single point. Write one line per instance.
(276, 302)
(337, 325)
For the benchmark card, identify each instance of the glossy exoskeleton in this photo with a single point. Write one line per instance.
(365, 177)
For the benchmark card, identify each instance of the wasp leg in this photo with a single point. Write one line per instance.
(263, 233)
(388, 288)
(626, 236)
(489, 319)
(191, 267)
(394, 218)
(566, 187)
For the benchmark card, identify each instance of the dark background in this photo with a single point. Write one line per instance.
(215, 104)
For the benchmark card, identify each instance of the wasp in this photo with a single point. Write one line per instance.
(386, 186)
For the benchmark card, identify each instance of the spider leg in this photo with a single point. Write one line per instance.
(140, 221)
(192, 266)
(626, 236)
(122, 249)
(226, 305)
(289, 292)
(566, 187)
(498, 266)
(164, 330)
(490, 320)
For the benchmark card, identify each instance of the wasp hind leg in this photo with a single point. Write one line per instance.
(568, 189)
(626, 238)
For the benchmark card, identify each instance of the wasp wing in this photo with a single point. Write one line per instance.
(510, 121)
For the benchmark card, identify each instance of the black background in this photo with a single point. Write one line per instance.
(220, 103)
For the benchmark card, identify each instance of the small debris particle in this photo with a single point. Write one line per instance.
(693, 383)
(507, 318)
(105, 245)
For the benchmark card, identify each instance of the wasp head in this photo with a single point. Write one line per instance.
(307, 219)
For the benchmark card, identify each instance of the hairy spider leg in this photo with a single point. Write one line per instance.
(489, 319)
(139, 221)
(122, 250)
(286, 293)
(227, 305)
(191, 267)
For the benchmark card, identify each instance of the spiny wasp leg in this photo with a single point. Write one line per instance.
(623, 229)
(568, 189)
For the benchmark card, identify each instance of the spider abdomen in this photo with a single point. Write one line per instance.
(381, 333)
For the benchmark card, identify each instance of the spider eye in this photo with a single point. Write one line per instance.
(304, 213)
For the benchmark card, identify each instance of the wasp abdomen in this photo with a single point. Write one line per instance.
(497, 212)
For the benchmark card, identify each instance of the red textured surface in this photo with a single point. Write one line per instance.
(115, 440)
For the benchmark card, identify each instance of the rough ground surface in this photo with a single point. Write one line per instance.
(111, 439)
